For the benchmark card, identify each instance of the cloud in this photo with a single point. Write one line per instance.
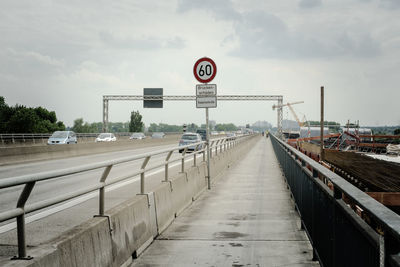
(221, 10)
(264, 35)
(309, 3)
(390, 4)
(44, 59)
(175, 43)
(259, 34)
(144, 43)
(24, 64)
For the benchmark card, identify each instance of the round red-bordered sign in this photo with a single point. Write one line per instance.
(204, 70)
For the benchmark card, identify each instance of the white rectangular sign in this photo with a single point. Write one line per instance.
(206, 90)
(206, 102)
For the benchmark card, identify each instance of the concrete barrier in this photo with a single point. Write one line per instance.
(134, 224)
(164, 208)
(13, 155)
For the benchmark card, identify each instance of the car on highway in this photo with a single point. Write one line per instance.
(190, 138)
(106, 137)
(230, 136)
(158, 135)
(202, 133)
(62, 137)
(137, 136)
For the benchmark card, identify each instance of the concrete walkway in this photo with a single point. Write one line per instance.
(247, 219)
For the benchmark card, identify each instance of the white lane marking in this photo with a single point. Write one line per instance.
(74, 202)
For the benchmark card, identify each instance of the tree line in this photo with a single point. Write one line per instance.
(22, 119)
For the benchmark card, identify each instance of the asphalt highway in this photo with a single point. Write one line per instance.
(64, 216)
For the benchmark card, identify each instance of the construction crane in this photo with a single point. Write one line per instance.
(289, 105)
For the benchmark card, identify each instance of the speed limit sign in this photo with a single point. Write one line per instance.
(205, 70)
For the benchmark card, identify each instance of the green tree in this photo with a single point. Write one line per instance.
(226, 127)
(163, 127)
(21, 119)
(83, 127)
(397, 131)
(136, 124)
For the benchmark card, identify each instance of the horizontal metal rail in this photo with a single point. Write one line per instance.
(30, 180)
(40, 138)
(192, 97)
(325, 201)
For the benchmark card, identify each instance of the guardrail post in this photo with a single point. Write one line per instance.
(194, 156)
(216, 147)
(142, 169)
(21, 223)
(166, 165)
(183, 160)
(103, 178)
(315, 173)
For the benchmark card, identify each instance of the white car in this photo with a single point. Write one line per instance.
(137, 136)
(106, 137)
(62, 137)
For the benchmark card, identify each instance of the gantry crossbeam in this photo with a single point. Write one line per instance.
(107, 98)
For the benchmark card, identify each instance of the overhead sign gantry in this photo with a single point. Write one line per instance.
(107, 98)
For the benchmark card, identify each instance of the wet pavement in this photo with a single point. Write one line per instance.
(246, 219)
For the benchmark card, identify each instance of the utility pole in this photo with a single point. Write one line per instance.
(322, 125)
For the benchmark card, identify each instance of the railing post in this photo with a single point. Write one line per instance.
(194, 156)
(183, 160)
(21, 223)
(212, 142)
(103, 178)
(142, 169)
(315, 173)
(166, 165)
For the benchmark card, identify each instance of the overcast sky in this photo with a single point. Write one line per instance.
(65, 55)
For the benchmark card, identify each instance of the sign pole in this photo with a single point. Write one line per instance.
(208, 151)
(204, 71)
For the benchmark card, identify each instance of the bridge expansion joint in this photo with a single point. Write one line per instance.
(108, 219)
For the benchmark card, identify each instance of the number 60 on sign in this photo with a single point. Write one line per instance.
(204, 70)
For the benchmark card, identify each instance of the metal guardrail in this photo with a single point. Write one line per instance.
(30, 180)
(41, 138)
(339, 236)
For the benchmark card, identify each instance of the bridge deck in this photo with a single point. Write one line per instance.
(247, 219)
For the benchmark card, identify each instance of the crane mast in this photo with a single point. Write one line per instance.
(301, 124)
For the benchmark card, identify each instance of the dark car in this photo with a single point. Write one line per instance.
(202, 133)
(190, 138)
(230, 136)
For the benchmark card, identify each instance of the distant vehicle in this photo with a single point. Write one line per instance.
(202, 133)
(230, 136)
(137, 136)
(106, 137)
(62, 137)
(158, 135)
(190, 138)
(214, 133)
